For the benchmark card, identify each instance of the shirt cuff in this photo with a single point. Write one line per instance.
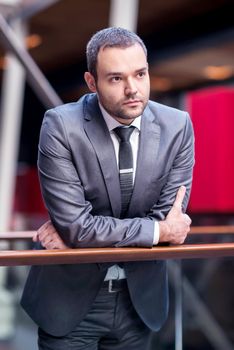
(156, 233)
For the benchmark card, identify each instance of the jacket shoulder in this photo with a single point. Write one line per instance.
(165, 115)
(161, 109)
(72, 109)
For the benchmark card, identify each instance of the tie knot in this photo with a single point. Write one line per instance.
(124, 133)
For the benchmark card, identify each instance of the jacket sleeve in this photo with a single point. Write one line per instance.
(181, 173)
(64, 197)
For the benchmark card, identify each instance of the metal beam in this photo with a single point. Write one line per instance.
(204, 318)
(28, 11)
(11, 112)
(35, 77)
(124, 14)
(11, 115)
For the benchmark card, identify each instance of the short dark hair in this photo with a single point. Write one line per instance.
(109, 37)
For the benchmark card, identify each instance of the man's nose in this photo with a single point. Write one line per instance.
(130, 88)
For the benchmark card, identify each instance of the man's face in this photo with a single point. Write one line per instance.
(122, 82)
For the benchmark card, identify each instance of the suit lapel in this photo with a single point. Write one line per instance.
(99, 136)
(147, 157)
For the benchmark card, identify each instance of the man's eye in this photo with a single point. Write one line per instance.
(141, 74)
(115, 79)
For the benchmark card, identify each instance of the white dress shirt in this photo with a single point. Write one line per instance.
(116, 272)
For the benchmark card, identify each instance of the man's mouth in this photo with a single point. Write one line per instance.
(132, 102)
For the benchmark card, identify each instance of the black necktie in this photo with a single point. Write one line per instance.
(125, 166)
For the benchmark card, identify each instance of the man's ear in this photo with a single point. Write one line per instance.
(90, 81)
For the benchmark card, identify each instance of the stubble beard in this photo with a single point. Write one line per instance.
(120, 112)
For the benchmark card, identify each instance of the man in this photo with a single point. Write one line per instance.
(99, 196)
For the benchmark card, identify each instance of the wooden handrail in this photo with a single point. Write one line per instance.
(219, 229)
(225, 229)
(91, 255)
(74, 256)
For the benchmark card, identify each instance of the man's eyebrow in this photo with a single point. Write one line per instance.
(144, 69)
(111, 74)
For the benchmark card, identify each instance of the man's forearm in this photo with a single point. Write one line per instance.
(173, 229)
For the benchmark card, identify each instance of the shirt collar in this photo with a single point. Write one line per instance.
(113, 123)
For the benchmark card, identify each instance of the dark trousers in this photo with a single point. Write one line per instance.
(111, 324)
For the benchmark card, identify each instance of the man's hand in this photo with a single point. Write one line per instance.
(49, 237)
(175, 227)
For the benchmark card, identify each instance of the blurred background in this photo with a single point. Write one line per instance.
(191, 56)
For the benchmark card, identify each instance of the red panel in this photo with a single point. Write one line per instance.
(212, 113)
(28, 195)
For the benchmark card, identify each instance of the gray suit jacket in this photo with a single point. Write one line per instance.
(80, 186)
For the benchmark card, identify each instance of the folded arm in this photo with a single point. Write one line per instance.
(71, 213)
(173, 229)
